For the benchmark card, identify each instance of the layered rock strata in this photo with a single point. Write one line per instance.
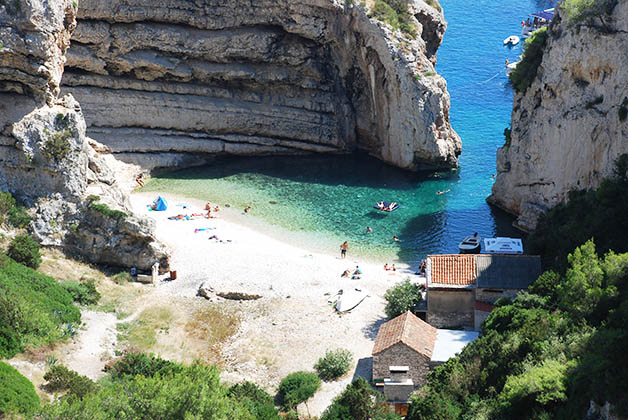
(570, 125)
(171, 83)
(45, 158)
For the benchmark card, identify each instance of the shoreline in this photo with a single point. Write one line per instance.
(307, 241)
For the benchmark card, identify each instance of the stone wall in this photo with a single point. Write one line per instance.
(491, 295)
(567, 128)
(451, 308)
(401, 355)
(167, 84)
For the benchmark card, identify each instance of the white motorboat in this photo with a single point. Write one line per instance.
(502, 245)
(511, 40)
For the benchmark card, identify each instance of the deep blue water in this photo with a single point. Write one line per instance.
(320, 201)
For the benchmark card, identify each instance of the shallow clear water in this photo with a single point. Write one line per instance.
(320, 201)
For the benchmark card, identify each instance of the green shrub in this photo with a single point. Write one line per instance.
(17, 394)
(334, 364)
(577, 11)
(296, 388)
(357, 402)
(257, 401)
(82, 293)
(33, 307)
(523, 75)
(25, 250)
(57, 146)
(402, 298)
(122, 277)
(105, 210)
(434, 4)
(11, 213)
(133, 364)
(60, 378)
(396, 14)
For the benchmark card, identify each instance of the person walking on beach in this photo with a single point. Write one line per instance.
(343, 250)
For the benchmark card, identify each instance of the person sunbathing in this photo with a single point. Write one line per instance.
(380, 205)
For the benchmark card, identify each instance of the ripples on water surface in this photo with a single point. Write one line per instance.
(320, 201)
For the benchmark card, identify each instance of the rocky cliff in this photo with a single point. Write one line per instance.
(570, 125)
(173, 82)
(45, 158)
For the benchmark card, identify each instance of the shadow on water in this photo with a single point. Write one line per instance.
(354, 170)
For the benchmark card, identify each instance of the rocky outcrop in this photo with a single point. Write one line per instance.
(45, 158)
(171, 83)
(570, 125)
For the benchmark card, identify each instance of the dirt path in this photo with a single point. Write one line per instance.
(94, 346)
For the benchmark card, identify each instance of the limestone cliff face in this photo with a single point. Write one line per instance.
(570, 125)
(172, 82)
(45, 158)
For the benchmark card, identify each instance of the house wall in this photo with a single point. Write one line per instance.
(491, 295)
(401, 355)
(451, 308)
(480, 316)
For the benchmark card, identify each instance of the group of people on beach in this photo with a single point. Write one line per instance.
(208, 207)
(355, 275)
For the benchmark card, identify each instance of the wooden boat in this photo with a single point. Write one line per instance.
(471, 244)
(348, 299)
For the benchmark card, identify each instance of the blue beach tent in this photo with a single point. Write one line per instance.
(160, 204)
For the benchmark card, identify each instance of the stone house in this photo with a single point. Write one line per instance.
(404, 341)
(462, 288)
(409, 341)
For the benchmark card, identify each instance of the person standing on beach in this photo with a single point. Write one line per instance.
(343, 250)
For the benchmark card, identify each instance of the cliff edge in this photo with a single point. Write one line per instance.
(170, 84)
(46, 160)
(570, 125)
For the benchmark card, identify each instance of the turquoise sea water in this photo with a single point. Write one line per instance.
(320, 201)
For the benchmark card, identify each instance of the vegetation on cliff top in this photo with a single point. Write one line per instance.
(396, 14)
(523, 75)
(18, 396)
(578, 11)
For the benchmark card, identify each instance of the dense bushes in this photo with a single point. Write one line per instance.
(402, 298)
(82, 293)
(17, 394)
(257, 401)
(33, 307)
(599, 214)
(525, 72)
(59, 379)
(334, 364)
(133, 364)
(25, 250)
(358, 402)
(171, 391)
(545, 355)
(11, 213)
(297, 388)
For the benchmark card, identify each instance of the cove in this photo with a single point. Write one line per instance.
(319, 201)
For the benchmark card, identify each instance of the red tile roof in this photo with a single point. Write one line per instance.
(408, 329)
(453, 270)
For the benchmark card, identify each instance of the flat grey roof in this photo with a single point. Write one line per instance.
(451, 342)
(507, 271)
